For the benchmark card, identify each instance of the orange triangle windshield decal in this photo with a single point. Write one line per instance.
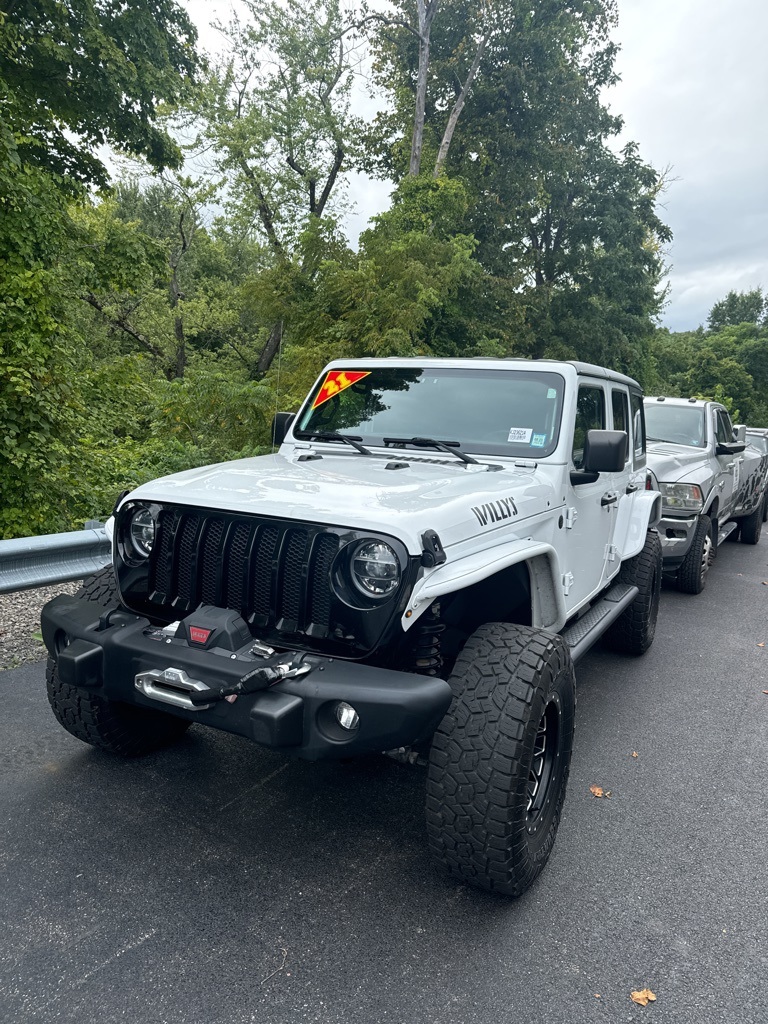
(337, 381)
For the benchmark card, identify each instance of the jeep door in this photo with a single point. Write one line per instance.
(591, 508)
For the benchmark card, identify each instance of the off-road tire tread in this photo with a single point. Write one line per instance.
(107, 724)
(634, 630)
(481, 754)
(689, 579)
(752, 526)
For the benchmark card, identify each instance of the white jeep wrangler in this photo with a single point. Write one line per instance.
(415, 571)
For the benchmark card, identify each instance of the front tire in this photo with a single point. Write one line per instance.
(693, 571)
(108, 724)
(499, 762)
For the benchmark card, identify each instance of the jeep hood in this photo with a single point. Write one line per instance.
(458, 501)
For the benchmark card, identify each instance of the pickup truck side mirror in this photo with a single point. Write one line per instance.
(729, 447)
(605, 451)
(739, 432)
(281, 424)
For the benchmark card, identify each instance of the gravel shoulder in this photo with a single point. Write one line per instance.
(20, 641)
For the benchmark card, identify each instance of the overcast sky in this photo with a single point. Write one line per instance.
(694, 95)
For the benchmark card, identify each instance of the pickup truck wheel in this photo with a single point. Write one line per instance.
(752, 526)
(499, 761)
(692, 574)
(634, 630)
(108, 724)
(765, 506)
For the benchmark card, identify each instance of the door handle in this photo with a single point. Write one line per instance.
(609, 498)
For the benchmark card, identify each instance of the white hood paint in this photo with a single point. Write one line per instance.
(360, 492)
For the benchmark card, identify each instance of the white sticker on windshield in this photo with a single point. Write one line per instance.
(520, 435)
(551, 393)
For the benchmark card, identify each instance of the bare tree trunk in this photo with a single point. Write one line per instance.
(270, 350)
(426, 13)
(458, 106)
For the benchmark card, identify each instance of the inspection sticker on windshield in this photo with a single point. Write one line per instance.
(520, 435)
(337, 381)
(551, 393)
(538, 440)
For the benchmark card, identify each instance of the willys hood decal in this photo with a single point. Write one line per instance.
(456, 500)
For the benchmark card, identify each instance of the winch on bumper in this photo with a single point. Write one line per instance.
(209, 669)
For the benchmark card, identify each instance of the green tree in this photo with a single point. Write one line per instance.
(739, 308)
(81, 74)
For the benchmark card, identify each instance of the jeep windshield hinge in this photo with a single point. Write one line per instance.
(433, 551)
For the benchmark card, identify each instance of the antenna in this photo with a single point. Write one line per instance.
(277, 385)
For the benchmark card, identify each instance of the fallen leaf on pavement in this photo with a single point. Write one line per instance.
(765, 691)
(765, 583)
(643, 997)
(635, 754)
(599, 791)
(761, 645)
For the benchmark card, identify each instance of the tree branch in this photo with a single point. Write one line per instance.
(120, 323)
(458, 106)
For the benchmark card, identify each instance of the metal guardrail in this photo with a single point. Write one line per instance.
(29, 562)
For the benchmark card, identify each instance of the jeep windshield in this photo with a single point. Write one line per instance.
(677, 424)
(487, 411)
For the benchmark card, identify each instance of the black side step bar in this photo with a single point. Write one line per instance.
(725, 531)
(590, 627)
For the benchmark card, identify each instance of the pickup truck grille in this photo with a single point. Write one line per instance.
(274, 573)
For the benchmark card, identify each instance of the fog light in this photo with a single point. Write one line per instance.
(346, 716)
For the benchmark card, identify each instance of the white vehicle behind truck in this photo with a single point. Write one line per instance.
(712, 484)
(415, 571)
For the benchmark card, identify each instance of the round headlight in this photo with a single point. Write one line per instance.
(375, 569)
(142, 531)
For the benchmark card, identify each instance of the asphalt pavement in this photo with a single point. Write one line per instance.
(215, 883)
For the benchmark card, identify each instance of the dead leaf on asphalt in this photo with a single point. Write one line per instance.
(761, 645)
(765, 691)
(643, 997)
(635, 753)
(599, 791)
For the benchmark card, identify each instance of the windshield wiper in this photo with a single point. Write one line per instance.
(329, 435)
(429, 442)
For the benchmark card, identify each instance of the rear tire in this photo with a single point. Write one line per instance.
(692, 574)
(499, 762)
(752, 526)
(108, 724)
(634, 630)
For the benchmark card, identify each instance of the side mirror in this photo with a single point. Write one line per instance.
(281, 424)
(729, 447)
(739, 432)
(605, 451)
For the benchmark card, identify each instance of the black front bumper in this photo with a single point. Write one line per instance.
(105, 650)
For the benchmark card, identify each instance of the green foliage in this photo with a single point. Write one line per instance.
(727, 362)
(739, 308)
(76, 75)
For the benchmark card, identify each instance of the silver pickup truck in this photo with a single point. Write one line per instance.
(711, 483)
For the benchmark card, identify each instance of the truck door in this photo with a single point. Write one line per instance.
(730, 465)
(591, 508)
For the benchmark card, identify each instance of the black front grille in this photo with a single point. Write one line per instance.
(275, 574)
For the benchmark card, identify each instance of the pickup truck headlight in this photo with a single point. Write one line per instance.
(375, 569)
(681, 497)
